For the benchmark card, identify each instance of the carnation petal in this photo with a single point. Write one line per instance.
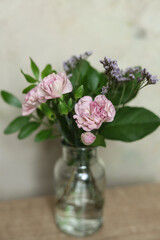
(27, 109)
(68, 87)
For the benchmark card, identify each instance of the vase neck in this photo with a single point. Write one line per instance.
(79, 156)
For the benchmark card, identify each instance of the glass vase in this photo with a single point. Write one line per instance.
(79, 179)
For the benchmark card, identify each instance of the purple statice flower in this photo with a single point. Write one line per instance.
(69, 75)
(147, 76)
(114, 72)
(131, 76)
(116, 75)
(111, 68)
(66, 67)
(124, 79)
(71, 63)
(132, 70)
(153, 80)
(86, 54)
(105, 89)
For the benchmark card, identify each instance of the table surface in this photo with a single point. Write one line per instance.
(131, 213)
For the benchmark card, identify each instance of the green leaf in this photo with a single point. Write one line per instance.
(63, 108)
(84, 74)
(83, 69)
(47, 111)
(130, 124)
(35, 69)
(92, 79)
(79, 92)
(103, 80)
(100, 141)
(28, 78)
(54, 136)
(46, 71)
(28, 129)
(11, 99)
(27, 89)
(16, 124)
(43, 135)
(70, 105)
(79, 74)
(123, 92)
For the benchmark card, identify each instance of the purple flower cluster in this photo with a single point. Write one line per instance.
(132, 70)
(71, 63)
(111, 68)
(148, 77)
(116, 74)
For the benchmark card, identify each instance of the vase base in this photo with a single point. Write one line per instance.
(78, 227)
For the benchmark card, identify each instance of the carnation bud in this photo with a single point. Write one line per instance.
(47, 111)
(88, 138)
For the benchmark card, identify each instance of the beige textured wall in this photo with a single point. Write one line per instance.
(51, 31)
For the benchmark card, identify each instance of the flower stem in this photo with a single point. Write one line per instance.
(67, 188)
(44, 123)
(122, 95)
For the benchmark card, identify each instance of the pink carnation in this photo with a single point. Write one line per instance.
(88, 138)
(91, 114)
(53, 86)
(31, 102)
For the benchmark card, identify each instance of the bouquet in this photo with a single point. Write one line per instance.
(82, 105)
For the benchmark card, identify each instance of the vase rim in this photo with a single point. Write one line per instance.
(83, 148)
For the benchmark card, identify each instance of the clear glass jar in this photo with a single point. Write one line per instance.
(79, 180)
